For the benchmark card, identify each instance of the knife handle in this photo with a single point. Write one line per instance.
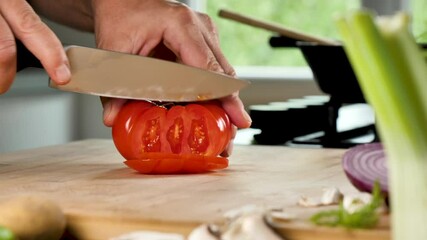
(24, 58)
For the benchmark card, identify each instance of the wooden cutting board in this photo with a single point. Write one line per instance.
(102, 198)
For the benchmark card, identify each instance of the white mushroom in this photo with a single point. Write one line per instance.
(249, 227)
(353, 203)
(330, 196)
(203, 232)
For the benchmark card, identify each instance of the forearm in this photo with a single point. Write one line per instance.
(73, 13)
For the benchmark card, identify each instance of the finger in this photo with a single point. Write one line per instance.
(211, 37)
(225, 65)
(38, 38)
(7, 56)
(195, 53)
(235, 109)
(229, 149)
(111, 107)
(188, 43)
(119, 42)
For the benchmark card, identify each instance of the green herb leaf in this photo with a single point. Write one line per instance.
(366, 217)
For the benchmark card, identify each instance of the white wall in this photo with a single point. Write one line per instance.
(33, 116)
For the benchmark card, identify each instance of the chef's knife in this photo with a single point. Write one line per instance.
(119, 75)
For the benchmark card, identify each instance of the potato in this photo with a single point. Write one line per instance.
(32, 218)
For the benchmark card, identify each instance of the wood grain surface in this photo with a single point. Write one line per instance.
(102, 198)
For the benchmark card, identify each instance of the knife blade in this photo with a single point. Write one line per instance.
(113, 74)
(120, 75)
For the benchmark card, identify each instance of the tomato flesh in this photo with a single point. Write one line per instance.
(175, 135)
(124, 126)
(198, 141)
(151, 136)
(188, 138)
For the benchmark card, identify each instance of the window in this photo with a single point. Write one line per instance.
(245, 45)
(420, 20)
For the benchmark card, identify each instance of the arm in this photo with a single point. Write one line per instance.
(73, 13)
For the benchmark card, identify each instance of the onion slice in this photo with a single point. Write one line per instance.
(366, 164)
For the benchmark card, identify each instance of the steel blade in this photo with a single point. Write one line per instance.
(120, 75)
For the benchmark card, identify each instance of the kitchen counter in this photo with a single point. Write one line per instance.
(102, 198)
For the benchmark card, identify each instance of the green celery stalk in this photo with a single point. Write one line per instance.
(392, 73)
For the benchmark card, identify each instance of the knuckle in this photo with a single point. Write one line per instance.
(7, 50)
(185, 14)
(124, 43)
(29, 21)
(207, 20)
(231, 72)
(213, 65)
(209, 25)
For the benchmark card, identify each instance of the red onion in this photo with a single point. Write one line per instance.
(364, 165)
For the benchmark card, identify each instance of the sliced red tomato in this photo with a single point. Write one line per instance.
(189, 132)
(124, 126)
(159, 163)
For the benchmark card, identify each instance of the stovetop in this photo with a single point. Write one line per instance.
(310, 121)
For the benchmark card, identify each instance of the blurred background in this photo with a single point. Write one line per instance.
(33, 115)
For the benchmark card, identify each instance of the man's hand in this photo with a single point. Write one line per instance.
(19, 21)
(164, 29)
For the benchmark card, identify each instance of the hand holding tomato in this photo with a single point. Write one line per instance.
(177, 139)
(232, 105)
(168, 30)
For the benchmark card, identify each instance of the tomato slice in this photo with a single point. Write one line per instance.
(167, 163)
(147, 131)
(206, 133)
(124, 125)
(188, 137)
(223, 123)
